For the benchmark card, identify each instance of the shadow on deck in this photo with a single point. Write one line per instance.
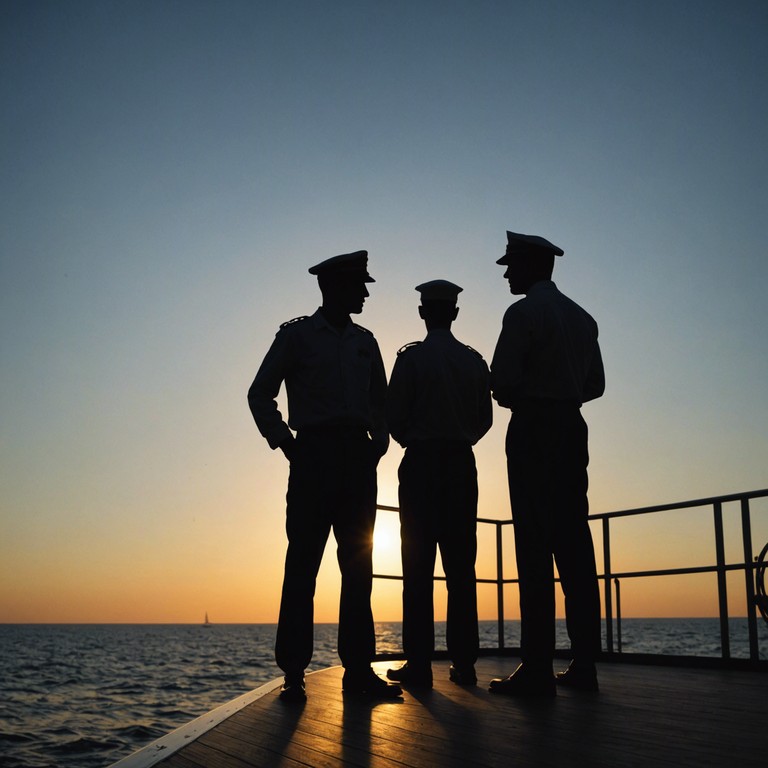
(643, 716)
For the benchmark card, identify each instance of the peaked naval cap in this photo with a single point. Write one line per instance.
(355, 264)
(524, 245)
(439, 290)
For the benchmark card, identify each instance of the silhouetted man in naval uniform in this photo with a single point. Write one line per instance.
(336, 387)
(438, 407)
(547, 363)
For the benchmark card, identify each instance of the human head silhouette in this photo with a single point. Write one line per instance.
(438, 314)
(526, 269)
(345, 293)
(529, 259)
(342, 280)
(438, 303)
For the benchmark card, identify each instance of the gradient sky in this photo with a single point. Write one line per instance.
(169, 171)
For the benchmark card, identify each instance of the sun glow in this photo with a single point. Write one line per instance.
(386, 543)
(382, 540)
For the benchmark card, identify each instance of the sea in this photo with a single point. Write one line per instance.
(84, 696)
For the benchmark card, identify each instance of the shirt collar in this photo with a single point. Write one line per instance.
(440, 333)
(542, 285)
(319, 322)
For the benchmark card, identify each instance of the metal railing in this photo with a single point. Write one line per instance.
(611, 579)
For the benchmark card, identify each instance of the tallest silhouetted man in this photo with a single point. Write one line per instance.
(336, 386)
(547, 363)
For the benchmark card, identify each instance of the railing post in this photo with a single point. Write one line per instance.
(749, 579)
(721, 569)
(607, 577)
(722, 585)
(500, 585)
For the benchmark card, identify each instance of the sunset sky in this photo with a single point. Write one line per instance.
(171, 168)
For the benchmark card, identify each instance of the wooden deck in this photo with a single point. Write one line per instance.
(643, 716)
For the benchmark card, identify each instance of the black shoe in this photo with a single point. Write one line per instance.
(462, 674)
(410, 675)
(293, 688)
(580, 677)
(367, 683)
(526, 682)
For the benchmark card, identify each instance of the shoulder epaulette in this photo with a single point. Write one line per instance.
(474, 350)
(360, 328)
(408, 346)
(295, 320)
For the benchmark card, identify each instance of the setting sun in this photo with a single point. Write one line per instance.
(386, 534)
(386, 543)
(382, 540)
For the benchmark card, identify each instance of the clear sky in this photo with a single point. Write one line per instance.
(169, 171)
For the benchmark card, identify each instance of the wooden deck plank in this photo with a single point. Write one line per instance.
(385, 726)
(353, 730)
(643, 716)
(325, 744)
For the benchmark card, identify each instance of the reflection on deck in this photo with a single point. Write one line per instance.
(643, 716)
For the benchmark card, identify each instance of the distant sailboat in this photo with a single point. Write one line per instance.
(207, 624)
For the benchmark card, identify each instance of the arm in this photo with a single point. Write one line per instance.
(378, 393)
(264, 390)
(594, 385)
(397, 409)
(486, 404)
(508, 357)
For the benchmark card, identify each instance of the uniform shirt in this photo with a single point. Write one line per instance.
(439, 390)
(547, 349)
(332, 378)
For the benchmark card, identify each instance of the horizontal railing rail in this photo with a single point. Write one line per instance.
(611, 579)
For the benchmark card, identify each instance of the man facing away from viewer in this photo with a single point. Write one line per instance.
(336, 388)
(438, 407)
(547, 363)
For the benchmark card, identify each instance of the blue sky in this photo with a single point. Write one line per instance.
(171, 169)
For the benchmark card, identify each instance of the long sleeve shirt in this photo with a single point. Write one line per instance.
(439, 390)
(547, 349)
(332, 378)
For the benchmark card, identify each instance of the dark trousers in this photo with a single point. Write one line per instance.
(332, 485)
(438, 508)
(547, 461)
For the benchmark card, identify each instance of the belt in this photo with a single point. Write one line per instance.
(333, 430)
(439, 444)
(544, 402)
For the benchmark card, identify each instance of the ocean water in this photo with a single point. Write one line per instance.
(83, 696)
